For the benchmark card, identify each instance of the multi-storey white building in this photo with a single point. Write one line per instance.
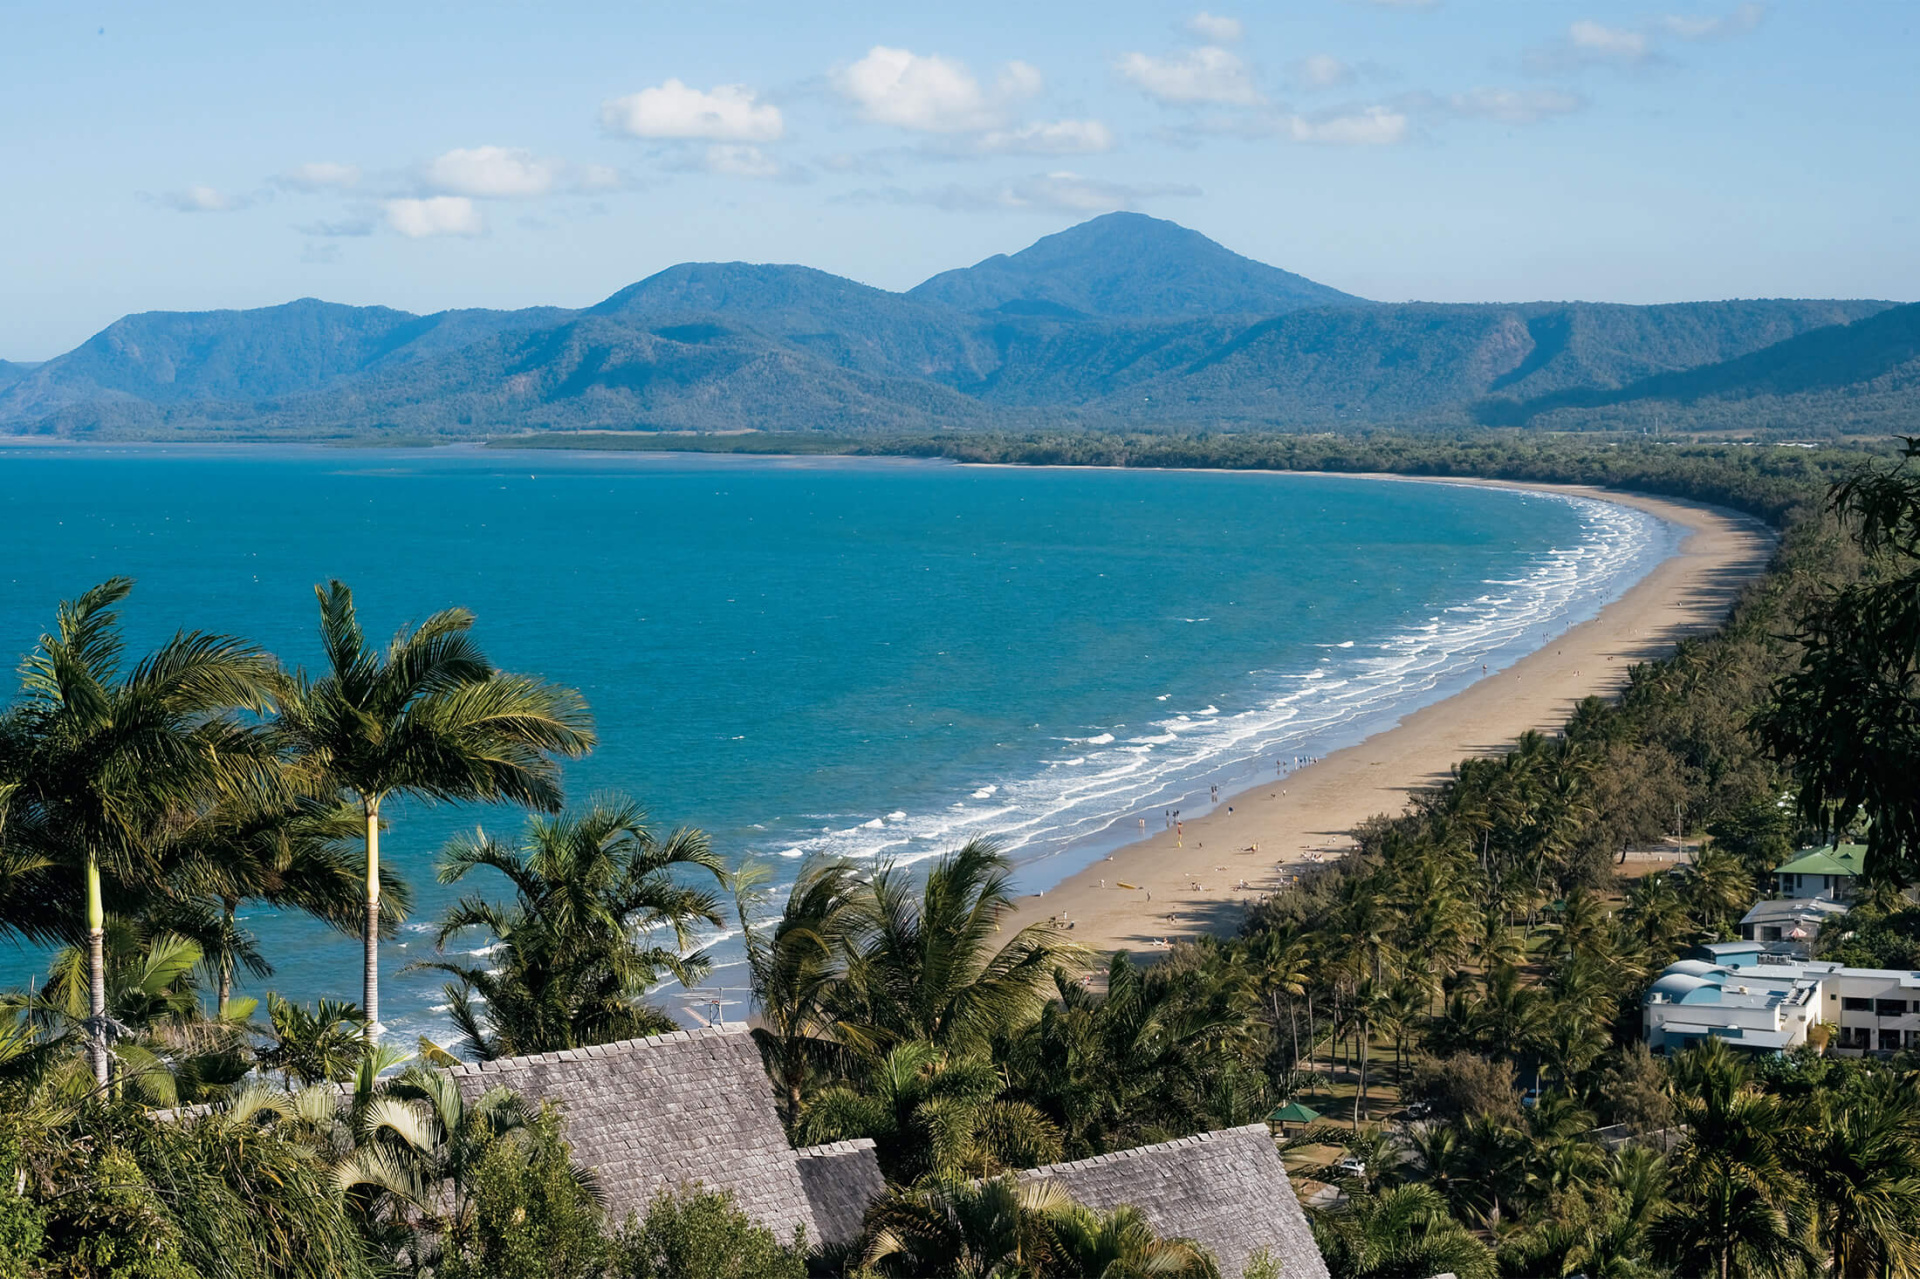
(1762, 1003)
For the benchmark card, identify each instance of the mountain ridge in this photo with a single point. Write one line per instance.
(1093, 325)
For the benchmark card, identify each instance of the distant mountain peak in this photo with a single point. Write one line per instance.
(1127, 266)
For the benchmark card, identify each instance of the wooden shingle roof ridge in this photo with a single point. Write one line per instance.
(1227, 1190)
(468, 1069)
(1144, 1152)
(680, 1109)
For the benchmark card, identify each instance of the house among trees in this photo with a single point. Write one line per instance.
(696, 1107)
(1762, 1004)
(1829, 872)
(1789, 927)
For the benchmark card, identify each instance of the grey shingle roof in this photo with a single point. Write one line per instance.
(841, 1180)
(1226, 1190)
(693, 1106)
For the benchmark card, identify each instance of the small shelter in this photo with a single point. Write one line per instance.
(1293, 1113)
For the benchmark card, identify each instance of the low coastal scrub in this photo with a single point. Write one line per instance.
(1459, 1000)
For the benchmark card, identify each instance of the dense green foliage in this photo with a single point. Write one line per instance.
(1460, 997)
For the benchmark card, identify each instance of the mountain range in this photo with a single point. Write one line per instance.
(1123, 320)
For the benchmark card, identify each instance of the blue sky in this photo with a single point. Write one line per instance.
(430, 155)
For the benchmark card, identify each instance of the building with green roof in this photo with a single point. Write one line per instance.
(1829, 872)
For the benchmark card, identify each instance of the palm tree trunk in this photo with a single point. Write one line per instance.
(96, 974)
(371, 976)
(1360, 1093)
(226, 958)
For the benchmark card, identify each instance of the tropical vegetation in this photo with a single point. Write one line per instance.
(1459, 998)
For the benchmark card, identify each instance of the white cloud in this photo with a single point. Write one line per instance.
(1049, 137)
(929, 93)
(741, 160)
(435, 215)
(356, 226)
(200, 199)
(1057, 192)
(1215, 29)
(726, 113)
(1739, 22)
(492, 173)
(1321, 71)
(1206, 74)
(1600, 41)
(319, 175)
(1514, 106)
(1366, 127)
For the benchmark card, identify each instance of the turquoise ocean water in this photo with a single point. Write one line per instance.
(871, 658)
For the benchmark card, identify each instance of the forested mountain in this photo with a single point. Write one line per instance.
(1857, 372)
(1124, 320)
(1079, 273)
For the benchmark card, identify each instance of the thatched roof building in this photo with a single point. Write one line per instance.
(1226, 1190)
(693, 1106)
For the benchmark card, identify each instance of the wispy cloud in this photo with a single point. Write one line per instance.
(1058, 192)
(318, 175)
(345, 228)
(492, 173)
(1215, 29)
(1321, 71)
(1048, 137)
(725, 113)
(203, 199)
(440, 215)
(928, 93)
(1713, 26)
(1207, 75)
(1512, 106)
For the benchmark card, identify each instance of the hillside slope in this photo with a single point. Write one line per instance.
(1126, 265)
(1124, 320)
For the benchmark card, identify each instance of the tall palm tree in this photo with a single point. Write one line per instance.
(924, 963)
(105, 758)
(1402, 1231)
(286, 854)
(1861, 1164)
(798, 966)
(430, 717)
(577, 949)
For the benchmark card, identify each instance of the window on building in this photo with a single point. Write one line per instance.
(1769, 934)
(1890, 1007)
(1853, 1005)
(1890, 1041)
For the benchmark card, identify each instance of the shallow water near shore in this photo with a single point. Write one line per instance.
(861, 657)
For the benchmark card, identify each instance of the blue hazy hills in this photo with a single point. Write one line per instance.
(1123, 321)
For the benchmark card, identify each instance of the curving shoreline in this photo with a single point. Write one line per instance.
(1278, 827)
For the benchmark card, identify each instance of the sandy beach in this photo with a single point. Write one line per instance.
(1275, 829)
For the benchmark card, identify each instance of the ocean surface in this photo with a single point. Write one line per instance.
(822, 656)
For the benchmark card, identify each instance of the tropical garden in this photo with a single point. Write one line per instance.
(1451, 1014)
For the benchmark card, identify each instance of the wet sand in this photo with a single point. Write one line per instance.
(1279, 827)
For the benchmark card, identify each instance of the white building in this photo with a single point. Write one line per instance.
(1762, 1003)
(1789, 927)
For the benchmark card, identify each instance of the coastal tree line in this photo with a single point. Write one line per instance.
(1480, 956)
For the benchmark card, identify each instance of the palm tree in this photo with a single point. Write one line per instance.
(797, 968)
(924, 964)
(933, 1115)
(1861, 1166)
(1120, 1244)
(1724, 1225)
(288, 855)
(576, 948)
(965, 1228)
(430, 717)
(1393, 1234)
(105, 758)
(311, 1047)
